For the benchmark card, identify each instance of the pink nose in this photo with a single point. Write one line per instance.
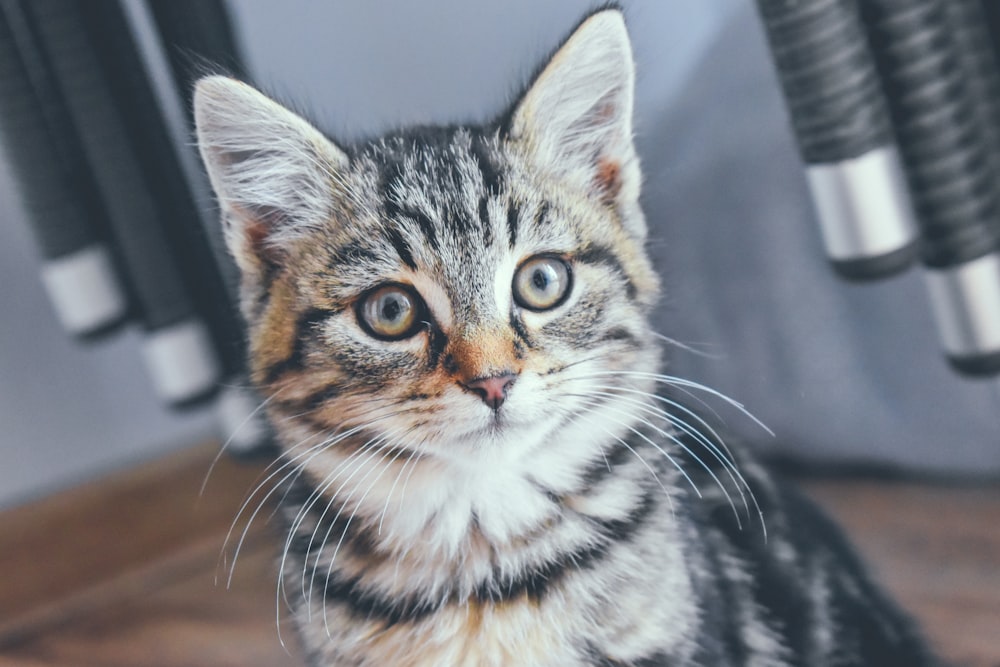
(493, 390)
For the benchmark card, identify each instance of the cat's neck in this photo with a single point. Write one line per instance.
(492, 492)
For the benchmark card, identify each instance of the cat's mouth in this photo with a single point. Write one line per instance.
(502, 426)
(496, 423)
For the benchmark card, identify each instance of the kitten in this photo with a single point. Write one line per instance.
(450, 327)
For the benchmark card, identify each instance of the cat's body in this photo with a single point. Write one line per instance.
(660, 583)
(449, 325)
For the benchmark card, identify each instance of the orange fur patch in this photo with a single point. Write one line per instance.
(609, 178)
(482, 355)
(274, 338)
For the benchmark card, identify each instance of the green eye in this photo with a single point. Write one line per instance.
(391, 312)
(542, 282)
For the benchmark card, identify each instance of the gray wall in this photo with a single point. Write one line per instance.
(841, 373)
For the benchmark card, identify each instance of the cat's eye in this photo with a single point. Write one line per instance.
(391, 312)
(542, 282)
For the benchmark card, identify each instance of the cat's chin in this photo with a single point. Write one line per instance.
(520, 427)
(500, 439)
(493, 433)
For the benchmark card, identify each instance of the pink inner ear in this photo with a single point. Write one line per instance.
(256, 231)
(257, 226)
(609, 179)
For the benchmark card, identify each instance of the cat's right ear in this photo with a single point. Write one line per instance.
(575, 120)
(273, 173)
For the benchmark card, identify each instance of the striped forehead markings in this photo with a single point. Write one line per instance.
(491, 172)
(436, 174)
(492, 178)
(395, 237)
(513, 218)
(351, 253)
(398, 212)
(484, 218)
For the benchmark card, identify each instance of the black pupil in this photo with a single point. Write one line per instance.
(391, 308)
(540, 279)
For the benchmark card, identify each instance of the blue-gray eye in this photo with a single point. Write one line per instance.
(542, 282)
(391, 312)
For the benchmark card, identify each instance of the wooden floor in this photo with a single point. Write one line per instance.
(121, 573)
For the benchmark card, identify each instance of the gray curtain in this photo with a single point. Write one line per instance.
(841, 372)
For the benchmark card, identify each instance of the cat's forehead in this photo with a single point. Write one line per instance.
(434, 156)
(454, 202)
(441, 177)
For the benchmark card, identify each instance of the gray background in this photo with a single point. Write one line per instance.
(841, 373)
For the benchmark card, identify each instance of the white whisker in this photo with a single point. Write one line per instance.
(350, 519)
(681, 382)
(647, 439)
(372, 446)
(724, 458)
(687, 347)
(638, 456)
(309, 454)
(229, 440)
(379, 445)
(413, 454)
(673, 438)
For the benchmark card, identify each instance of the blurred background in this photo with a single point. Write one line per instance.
(844, 373)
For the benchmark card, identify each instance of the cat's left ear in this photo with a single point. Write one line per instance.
(274, 174)
(576, 118)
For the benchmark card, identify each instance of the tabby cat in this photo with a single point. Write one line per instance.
(449, 325)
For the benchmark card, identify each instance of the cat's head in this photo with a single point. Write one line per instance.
(452, 289)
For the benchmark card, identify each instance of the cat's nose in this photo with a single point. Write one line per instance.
(493, 389)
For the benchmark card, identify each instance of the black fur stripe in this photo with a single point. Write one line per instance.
(394, 237)
(620, 334)
(601, 255)
(542, 214)
(364, 602)
(426, 226)
(437, 341)
(484, 211)
(484, 219)
(493, 181)
(351, 253)
(520, 331)
(335, 521)
(491, 172)
(657, 659)
(606, 466)
(537, 582)
(513, 220)
(313, 401)
(303, 328)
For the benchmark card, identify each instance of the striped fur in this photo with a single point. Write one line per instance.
(589, 519)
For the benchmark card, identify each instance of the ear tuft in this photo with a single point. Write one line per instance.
(575, 120)
(273, 173)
